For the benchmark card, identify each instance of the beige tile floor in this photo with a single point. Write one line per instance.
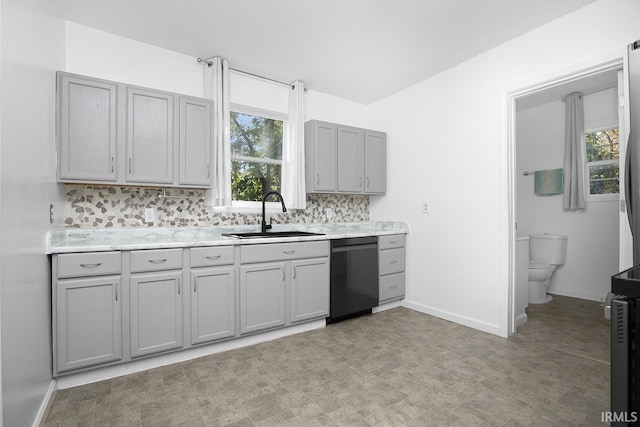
(394, 368)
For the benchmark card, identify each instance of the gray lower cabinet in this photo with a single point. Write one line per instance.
(262, 296)
(391, 265)
(155, 312)
(213, 304)
(87, 322)
(309, 290)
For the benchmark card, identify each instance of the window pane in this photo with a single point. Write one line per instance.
(250, 181)
(603, 145)
(256, 136)
(604, 179)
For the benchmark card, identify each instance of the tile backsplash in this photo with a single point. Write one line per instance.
(91, 206)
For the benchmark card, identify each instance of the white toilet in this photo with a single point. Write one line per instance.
(546, 252)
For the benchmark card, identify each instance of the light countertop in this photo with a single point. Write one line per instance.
(69, 240)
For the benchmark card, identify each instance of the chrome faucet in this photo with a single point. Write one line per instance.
(266, 226)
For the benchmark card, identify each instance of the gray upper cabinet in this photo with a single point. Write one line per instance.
(87, 129)
(344, 159)
(321, 156)
(196, 141)
(350, 159)
(375, 162)
(150, 136)
(128, 135)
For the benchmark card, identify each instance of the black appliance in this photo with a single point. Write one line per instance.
(625, 355)
(354, 277)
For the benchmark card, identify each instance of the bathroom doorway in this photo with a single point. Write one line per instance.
(596, 233)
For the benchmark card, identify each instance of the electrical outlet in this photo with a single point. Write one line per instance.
(149, 215)
(329, 213)
(425, 208)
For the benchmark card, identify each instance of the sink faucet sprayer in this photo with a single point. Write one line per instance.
(266, 226)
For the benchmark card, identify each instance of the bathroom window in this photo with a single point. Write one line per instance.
(602, 167)
(256, 153)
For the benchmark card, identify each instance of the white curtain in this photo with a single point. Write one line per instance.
(574, 191)
(216, 87)
(293, 184)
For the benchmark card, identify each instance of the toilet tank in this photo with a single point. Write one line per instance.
(548, 248)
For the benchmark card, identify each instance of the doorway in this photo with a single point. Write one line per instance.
(536, 142)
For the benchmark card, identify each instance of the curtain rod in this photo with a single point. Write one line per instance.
(210, 64)
(594, 91)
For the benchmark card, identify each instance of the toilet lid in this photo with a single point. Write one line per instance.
(539, 265)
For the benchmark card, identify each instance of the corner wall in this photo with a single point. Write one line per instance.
(32, 50)
(446, 139)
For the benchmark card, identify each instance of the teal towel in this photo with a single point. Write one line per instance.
(548, 182)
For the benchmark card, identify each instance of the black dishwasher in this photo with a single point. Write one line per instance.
(354, 277)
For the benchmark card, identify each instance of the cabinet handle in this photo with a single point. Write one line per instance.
(195, 284)
(295, 272)
(130, 165)
(393, 262)
(317, 178)
(208, 171)
(157, 261)
(112, 160)
(367, 182)
(178, 286)
(393, 287)
(97, 264)
(289, 252)
(359, 180)
(283, 274)
(213, 257)
(116, 292)
(393, 242)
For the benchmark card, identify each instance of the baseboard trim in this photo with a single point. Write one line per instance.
(46, 405)
(453, 317)
(576, 293)
(100, 374)
(386, 306)
(521, 320)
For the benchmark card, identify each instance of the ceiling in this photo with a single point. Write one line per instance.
(360, 50)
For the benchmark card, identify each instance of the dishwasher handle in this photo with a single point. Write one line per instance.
(354, 248)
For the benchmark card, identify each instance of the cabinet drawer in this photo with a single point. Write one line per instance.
(156, 260)
(283, 251)
(391, 261)
(392, 287)
(89, 264)
(204, 257)
(389, 242)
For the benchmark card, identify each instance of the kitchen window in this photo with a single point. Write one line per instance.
(256, 154)
(602, 167)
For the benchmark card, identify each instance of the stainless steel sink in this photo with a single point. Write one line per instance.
(268, 234)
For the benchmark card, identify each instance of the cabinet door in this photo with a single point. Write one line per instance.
(309, 289)
(195, 141)
(150, 136)
(88, 322)
(213, 302)
(262, 296)
(350, 160)
(156, 312)
(321, 156)
(87, 129)
(375, 161)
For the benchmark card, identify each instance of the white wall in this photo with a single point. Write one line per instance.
(32, 49)
(592, 248)
(99, 54)
(446, 145)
